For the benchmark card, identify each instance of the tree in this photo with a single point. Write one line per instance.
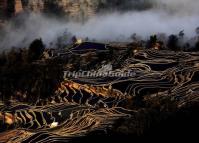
(196, 46)
(181, 34)
(173, 42)
(3, 59)
(35, 50)
(152, 41)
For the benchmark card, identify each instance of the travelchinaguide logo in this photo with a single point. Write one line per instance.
(104, 71)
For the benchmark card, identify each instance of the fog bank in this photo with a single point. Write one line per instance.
(165, 16)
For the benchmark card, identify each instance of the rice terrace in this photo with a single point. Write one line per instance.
(81, 71)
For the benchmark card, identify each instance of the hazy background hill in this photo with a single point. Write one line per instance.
(102, 20)
(73, 9)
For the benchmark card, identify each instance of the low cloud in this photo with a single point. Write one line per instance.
(167, 17)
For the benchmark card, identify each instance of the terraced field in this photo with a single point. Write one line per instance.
(88, 104)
